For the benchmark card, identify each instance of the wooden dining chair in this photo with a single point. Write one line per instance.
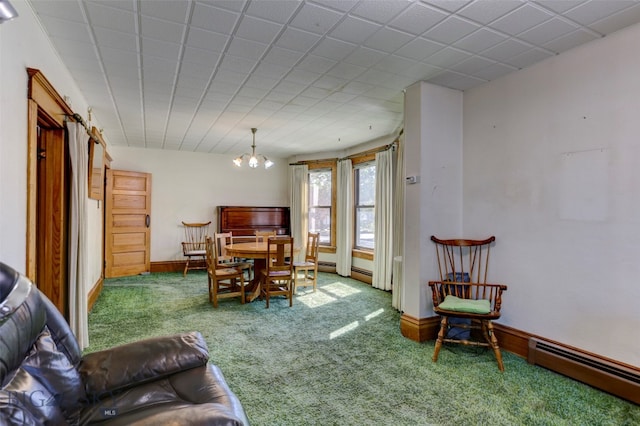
(221, 240)
(261, 236)
(193, 246)
(463, 298)
(308, 267)
(224, 282)
(277, 278)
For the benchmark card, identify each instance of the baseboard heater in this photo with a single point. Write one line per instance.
(597, 372)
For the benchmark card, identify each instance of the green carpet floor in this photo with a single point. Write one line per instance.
(337, 357)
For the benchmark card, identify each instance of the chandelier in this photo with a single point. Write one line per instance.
(254, 159)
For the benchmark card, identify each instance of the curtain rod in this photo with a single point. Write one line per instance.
(300, 163)
(370, 151)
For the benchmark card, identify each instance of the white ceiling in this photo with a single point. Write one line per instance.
(312, 76)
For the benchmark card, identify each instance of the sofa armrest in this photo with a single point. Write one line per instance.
(141, 361)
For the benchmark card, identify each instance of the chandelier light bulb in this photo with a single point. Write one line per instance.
(254, 159)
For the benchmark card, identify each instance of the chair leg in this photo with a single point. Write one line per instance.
(215, 293)
(186, 267)
(440, 340)
(494, 344)
(291, 286)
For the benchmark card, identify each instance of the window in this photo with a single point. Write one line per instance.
(320, 196)
(365, 192)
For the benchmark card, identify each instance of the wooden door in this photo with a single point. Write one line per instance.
(52, 216)
(127, 225)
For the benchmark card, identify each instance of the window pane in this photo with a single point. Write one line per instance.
(366, 185)
(320, 221)
(365, 236)
(320, 204)
(320, 188)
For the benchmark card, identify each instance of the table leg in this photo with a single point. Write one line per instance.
(253, 288)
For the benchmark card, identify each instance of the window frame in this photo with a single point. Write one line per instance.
(357, 162)
(331, 165)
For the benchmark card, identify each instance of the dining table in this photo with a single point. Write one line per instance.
(251, 250)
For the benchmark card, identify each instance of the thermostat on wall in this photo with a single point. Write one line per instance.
(412, 179)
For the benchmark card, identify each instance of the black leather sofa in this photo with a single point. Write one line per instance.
(45, 380)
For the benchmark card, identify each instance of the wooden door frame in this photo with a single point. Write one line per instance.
(44, 105)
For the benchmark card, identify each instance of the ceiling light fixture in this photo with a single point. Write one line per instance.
(7, 12)
(254, 159)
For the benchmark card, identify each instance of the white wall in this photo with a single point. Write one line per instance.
(188, 186)
(433, 152)
(551, 169)
(24, 44)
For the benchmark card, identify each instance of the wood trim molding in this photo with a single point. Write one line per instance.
(94, 293)
(43, 103)
(419, 329)
(168, 266)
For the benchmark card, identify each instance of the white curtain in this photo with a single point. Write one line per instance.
(383, 251)
(299, 205)
(344, 217)
(78, 242)
(398, 228)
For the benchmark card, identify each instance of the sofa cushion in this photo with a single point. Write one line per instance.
(142, 361)
(53, 369)
(28, 398)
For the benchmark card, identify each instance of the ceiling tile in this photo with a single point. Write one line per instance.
(365, 57)
(380, 11)
(521, 19)
(258, 29)
(417, 19)
(388, 40)
(472, 65)
(198, 58)
(593, 11)
(333, 49)
(354, 30)
(419, 48)
(315, 19)
(451, 30)
(235, 64)
(618, 20)
(508, 49)
(246, 48)
(274, 10)
(316, 64)
(175, 11)
(447, 57)
(214, 18)
(62, 10)
(480, 40)
(570, 40)
(347, 71)
(488, 11)
(394, 64)
(207, 40)
(494, 71)
(547, 31)
(161, 49)
(116, 39)
(286, 57)
(162, 30)
(66, 29)
(297, 40)
(528, 58)
(560, 6)
(111, 18)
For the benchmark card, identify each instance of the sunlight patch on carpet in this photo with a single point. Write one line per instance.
(373, 314)
(314, 300)
(340, 290)
(343, 330)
